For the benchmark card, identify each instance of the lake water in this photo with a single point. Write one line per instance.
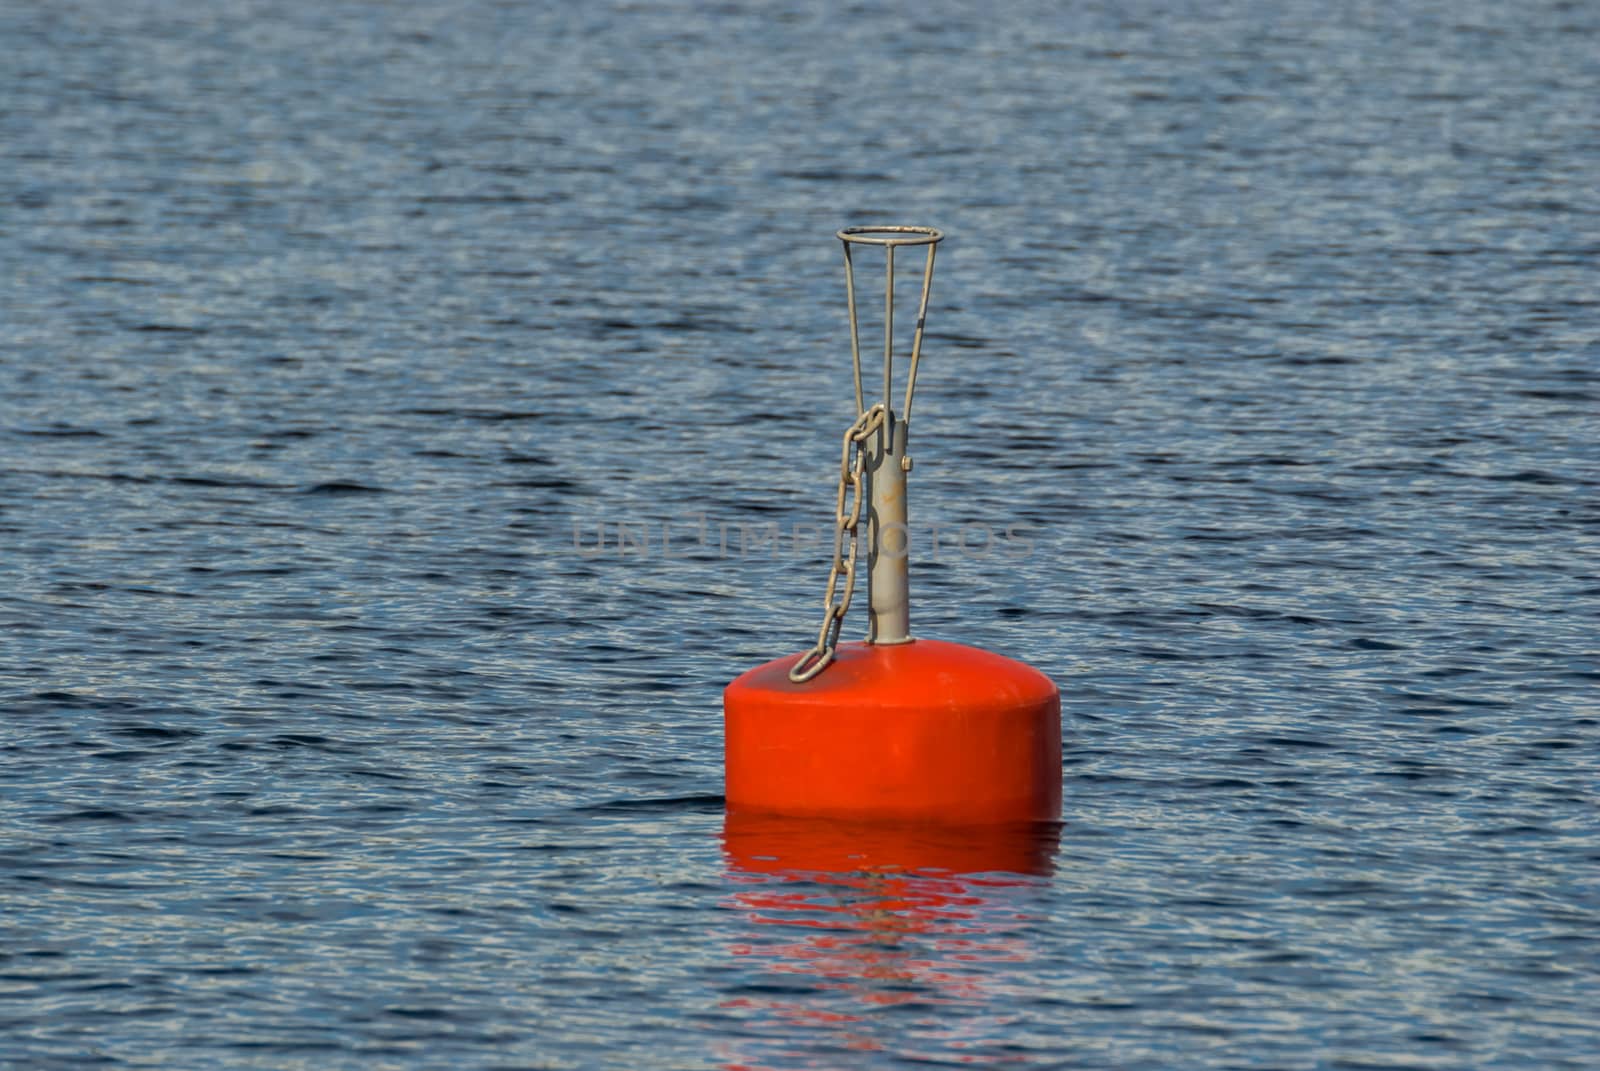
(397, 401)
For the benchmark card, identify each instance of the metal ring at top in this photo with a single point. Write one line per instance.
(915, 235)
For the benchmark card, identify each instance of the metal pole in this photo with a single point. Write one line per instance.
(916, 339)
(889, 537)
(888, 328)
(855, 337)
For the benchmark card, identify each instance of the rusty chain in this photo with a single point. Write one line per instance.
(851, 478)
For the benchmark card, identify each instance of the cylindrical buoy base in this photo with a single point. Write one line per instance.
(924, 730)
(758, 843)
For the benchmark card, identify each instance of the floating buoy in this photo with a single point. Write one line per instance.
(894, 727)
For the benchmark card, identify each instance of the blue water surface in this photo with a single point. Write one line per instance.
(413, 414)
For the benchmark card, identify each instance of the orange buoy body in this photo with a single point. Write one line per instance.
(923, 730)
(794, 846)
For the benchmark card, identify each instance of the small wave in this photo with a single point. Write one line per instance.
(703, 804)
(61, 431)
(344, 487)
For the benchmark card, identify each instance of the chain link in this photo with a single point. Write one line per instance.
(852, 469)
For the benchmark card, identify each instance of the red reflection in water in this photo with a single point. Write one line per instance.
(848, 920)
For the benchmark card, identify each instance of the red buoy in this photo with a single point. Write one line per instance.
(919, 730)
(893, 728)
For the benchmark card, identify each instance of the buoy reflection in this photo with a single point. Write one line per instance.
(870, 936)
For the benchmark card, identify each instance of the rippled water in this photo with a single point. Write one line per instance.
(393, 399)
